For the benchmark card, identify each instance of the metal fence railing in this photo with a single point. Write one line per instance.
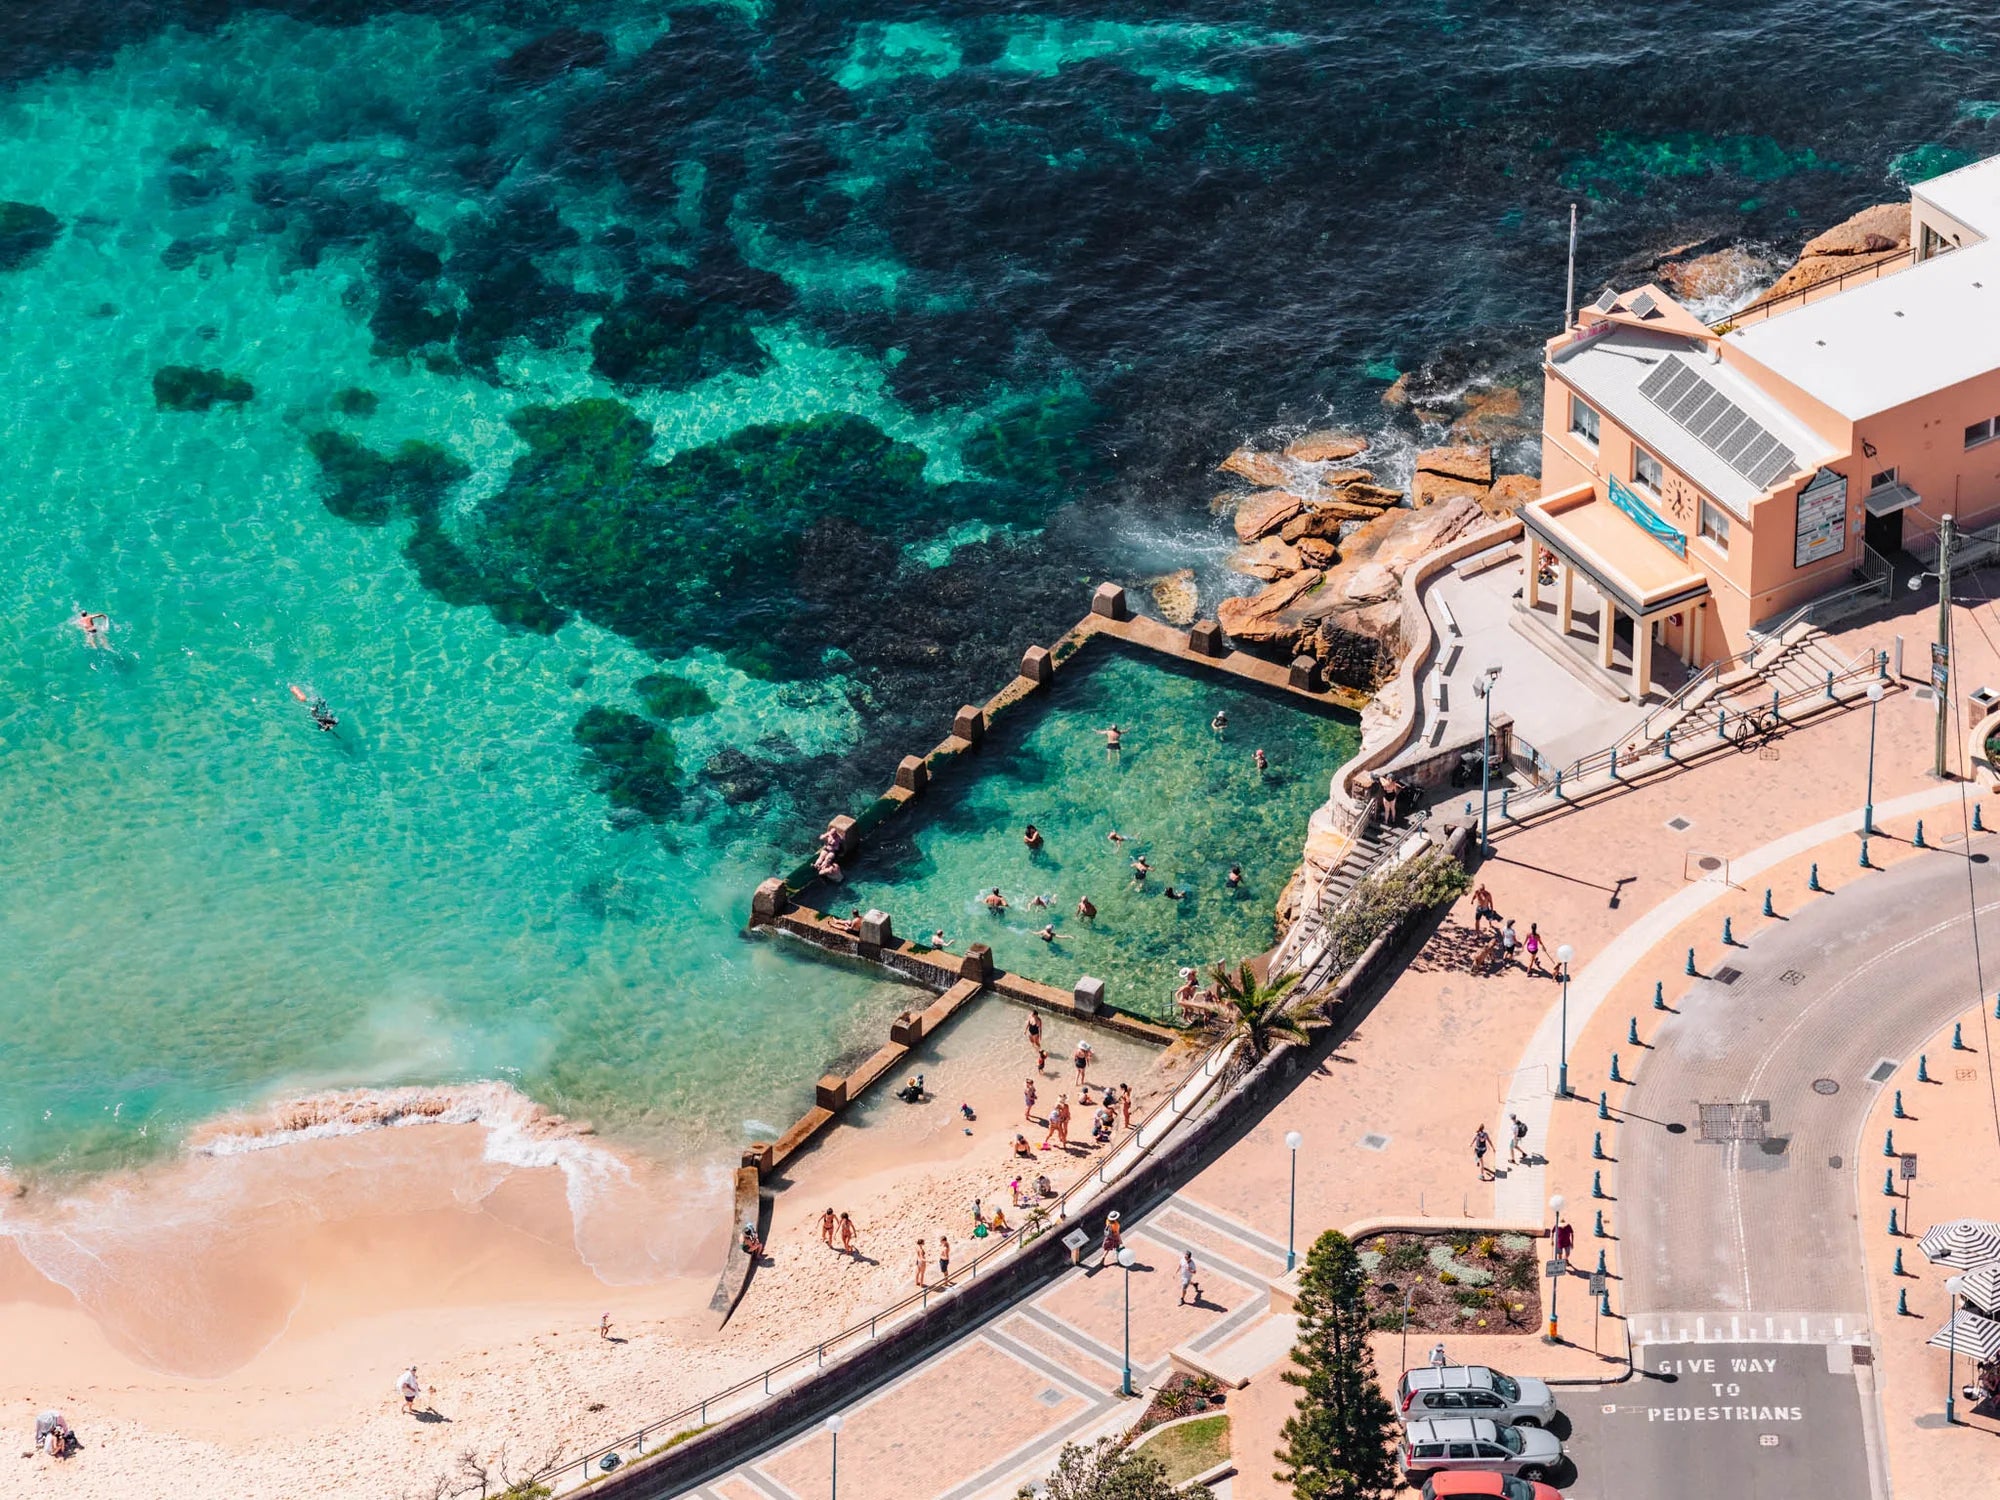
(1766, 307)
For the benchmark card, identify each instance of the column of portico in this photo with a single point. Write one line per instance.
(1568, 604)
(1642, 657)
(1607, 631)
(1530, 558)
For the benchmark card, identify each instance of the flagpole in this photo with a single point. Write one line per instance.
(1569, 291)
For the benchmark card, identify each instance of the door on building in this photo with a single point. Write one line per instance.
(1884, 534)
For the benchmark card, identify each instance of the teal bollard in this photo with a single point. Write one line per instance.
(1604, 1305)
(1903, 1303)
(1899, 1261)
(1888, 1182)
(1996, 1007)
(1918, 841)
(1977, 826)
(1728, 934)
(1769, 909)
(1893, 1230)
(1616, 1076)
(1603, 1105)
(1598, 1232)
(1888, 1143)
(1559, 786)
(1957, 1037)
(1597, 1184)
(1691, 968)
(1923, 1069)
(1614, 762)
(1660, 997)
(1597, 1145)
(1602, 1269)
(1722, 723)
(1812, 880)
(1503, 801)
(1864, 856)
(1667, 743)
(1899, 1106)
(1632, 1033)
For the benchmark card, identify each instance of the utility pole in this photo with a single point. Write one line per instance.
(1941, 670)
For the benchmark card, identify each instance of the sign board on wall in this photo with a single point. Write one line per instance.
(1822, 525)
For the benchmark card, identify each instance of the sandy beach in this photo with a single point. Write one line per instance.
(249, 1313)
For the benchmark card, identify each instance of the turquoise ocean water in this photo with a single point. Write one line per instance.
(644, 424)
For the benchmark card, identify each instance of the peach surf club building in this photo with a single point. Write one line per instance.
(1699, 483)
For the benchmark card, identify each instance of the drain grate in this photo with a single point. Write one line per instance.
(1679, 825)
(1825, 1086)
(1051, 1397)
(1864, 1354)
(1373, 1142)
(1734, 1122)
(1882, 1072)
(1727, 975)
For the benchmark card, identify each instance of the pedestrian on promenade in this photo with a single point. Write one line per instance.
(944, 1259)
(604, 1326)
(826, 1223)
(1437, 1355)
(1481, 1144)
(1565, 1239)
(1125, 1103)
(1517, 1139)
(409, 1387)
(923, 1259)
(1188, 1283)
(847, 1235)
(1533, 944)
(1509, 944)
(1114, 1240)
(1482, 907)
(1028, 1097)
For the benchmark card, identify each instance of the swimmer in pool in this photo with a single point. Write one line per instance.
(92, 626)
(995, 901)
(323, 716)
(1220, 722)
(1048, 933)
(1235, 876)
(1032, 837)
(1263, 761)
(1084, 908)
(1140, 869)
(1110, 737)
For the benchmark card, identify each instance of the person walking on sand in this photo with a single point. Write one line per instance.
(1517, 1139)
(923, 1262)
(1188, 1283)
(409, 1388)
(826, 1224)
(1082, 1061)
(604, 1326)
(1481, 1144)
(1028, 1097)
(847, 1235)
(1125, 1103)
(944, 1259)
(1035, 1030)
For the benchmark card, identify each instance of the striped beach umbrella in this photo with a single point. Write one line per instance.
(1969, 1333)
(1961, 1243)
(1980, 1286)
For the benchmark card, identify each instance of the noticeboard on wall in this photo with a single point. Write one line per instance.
(1822, 525)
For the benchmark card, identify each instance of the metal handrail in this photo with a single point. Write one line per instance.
(694, 1416)
(1768, 306)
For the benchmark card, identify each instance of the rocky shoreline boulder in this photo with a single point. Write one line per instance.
(1870, 236)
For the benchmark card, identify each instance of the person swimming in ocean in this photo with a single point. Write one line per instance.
(323, 716)
(93, 627)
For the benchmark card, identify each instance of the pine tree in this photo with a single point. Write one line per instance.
(1339, 1442)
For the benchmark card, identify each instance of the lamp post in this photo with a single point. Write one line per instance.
(1868, 812)
(833, 1425)
(1554, 1335)
(1125, 1259)
(1484, 689)
(1294, 1140)
(1563, 955)
(1947, 534)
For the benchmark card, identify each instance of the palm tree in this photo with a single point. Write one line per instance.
(1254, 1011)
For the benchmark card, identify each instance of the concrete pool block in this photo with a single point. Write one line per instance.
(1038, 666)
(969, 724)
(876, 931)
(1089, 995)
(1305, 674)
(1109, 601)
(1205, 639)
(977, 963)
(769, 900)
(845, 835)
(831, 1093)
(912, 773)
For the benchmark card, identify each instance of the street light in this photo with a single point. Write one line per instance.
(1483, 690)
(1554, 1335)
(1947, 533)
(1125, 1259)
(833, 1425)
(1874, 702)
(1563, 955)
(1294, 1140)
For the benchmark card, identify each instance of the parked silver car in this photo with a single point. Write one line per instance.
(1445, 1445)
(1474, 1391)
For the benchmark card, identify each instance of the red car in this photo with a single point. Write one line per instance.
(1474, 1482)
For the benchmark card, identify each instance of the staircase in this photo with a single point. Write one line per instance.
(1792, 663)
(1303, 948)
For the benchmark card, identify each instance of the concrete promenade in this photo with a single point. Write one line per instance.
(1631, 879)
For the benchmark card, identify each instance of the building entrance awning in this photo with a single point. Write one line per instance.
(1889, 499)
(1627, 564)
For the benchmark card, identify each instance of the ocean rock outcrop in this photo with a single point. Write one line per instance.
(1872, 235)
(1265, 511)
(1324, 447)
(1260, 619)
(630, 761)
(26, 230)
(1269, 558)
(1259, 468)
(191, 388)
(1511, 491)
(1176, 597)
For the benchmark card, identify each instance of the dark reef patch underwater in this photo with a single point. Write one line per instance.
(772, 374)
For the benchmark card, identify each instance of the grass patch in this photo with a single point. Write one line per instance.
(1189, 1449)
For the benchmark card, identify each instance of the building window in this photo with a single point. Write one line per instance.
(1646, 470)
(1715, 527)
(1883, 480)
(1582, 420)
(1933, 244)
(1981, 432)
